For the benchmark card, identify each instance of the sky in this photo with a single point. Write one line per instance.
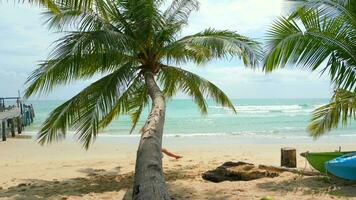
(25, 41)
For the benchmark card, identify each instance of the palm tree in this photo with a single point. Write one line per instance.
(135, 46)
(319, 35)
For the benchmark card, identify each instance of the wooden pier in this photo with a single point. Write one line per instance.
(15, 116)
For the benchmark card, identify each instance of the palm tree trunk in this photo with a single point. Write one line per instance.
(149, 183)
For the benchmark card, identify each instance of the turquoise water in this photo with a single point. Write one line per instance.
(272, 118)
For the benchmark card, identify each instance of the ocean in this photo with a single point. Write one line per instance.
(255, 118)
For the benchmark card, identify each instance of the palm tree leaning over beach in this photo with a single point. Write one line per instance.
(134, 45)
(320, 35)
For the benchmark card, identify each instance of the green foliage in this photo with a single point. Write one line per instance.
(86, 111)
(318, 35)
(119, 40)
(210, 44)
(341, 108)
(176, 79)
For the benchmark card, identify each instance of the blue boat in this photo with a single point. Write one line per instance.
(343, 166)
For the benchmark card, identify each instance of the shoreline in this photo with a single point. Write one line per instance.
(221, 138)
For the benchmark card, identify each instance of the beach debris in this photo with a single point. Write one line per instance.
(237, 171)
(289, 157)
(22, 185)
(291, 170)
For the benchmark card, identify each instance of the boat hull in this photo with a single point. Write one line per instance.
(343, 167)
(318, 159)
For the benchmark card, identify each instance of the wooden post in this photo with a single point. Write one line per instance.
(28, 117)
(23, 122)
(12, 125)
(289, 157)
(32, 112)
(3, 127)
(19, 125)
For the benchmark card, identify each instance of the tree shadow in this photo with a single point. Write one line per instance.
(314, 185)
(96, 181)
(177, 192)
(34, 189)
(180, 192)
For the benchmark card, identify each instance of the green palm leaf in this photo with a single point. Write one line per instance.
(86, 110)
(319, 35)
(176, 79)
(132, 101)
(179, 11)
(342, 108)
(327, 8)
(308, 46)
(137, 103)
(77, 56)
(211, 44)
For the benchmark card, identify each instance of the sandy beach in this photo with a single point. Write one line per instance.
(66, 171)
(227, 93)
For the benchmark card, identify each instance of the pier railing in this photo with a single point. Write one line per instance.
(14, 113)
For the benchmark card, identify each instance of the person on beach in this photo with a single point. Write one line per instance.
(165, 151)
(170, 154)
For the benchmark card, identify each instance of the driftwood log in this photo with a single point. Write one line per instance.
(237, 171)
(285, 169)
(241, 171)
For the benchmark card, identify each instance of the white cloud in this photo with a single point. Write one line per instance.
(244, 16)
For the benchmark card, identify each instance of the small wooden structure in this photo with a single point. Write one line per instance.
(17, 115)
(289, 157)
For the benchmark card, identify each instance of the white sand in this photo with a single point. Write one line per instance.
(66, 171)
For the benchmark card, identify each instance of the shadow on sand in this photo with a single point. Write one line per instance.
(314, 185)
(97, 181)
(111, 184)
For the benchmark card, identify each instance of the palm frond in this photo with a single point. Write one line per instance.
(49, 4)
(342, 74)
(77, 56)
(55, 6)
(131, 101)
(144, 17)
(211, 44)
(174, 18)
(310, 43)
(138, 101)
(69, 19)
(179, 11)
(175, 79)
(86, 110)
(327, 8)
(341, 108)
